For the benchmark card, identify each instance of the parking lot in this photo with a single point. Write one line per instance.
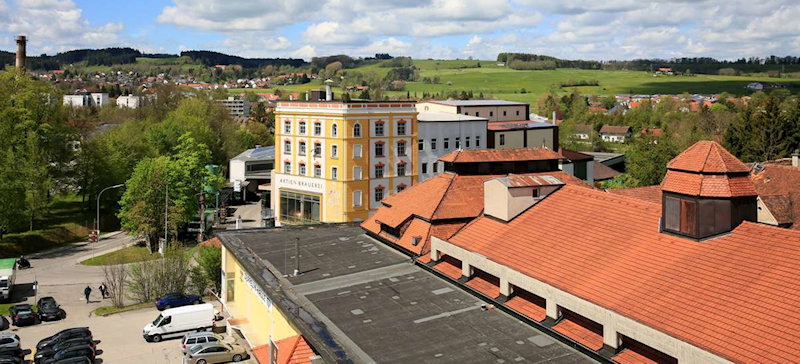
(120, 335)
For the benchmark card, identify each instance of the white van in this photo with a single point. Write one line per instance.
(8, 273)
(175, 322)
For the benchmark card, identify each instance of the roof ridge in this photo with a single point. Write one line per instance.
(708, 155)
(439, 204)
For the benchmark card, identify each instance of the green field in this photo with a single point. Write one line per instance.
(504, 83)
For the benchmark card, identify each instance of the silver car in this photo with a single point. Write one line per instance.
(215, 353)
(200, 338)
(9, 340)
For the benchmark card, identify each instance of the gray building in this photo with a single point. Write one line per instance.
(236, 107)
(440, 133)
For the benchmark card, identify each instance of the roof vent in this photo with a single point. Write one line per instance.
(415, 240)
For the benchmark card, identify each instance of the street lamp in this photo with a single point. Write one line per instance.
(98, 206)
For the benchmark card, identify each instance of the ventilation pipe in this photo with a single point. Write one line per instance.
(328, 90)
(796, 158)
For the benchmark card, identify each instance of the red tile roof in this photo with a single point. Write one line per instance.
(580, 334)
(499, 155)
(733, 295)
(627, 356)
(484, 285)
(439, 206)
(646, 193)
(212, 242)
(715, 185)
(615, 129)
(707, 157)
(527, 308)
(448, 267)
(292, 350)
(778, 187)
(584, 128)
(574, 155)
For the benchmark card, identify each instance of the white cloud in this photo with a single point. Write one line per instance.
(305, 52)
(55, 25)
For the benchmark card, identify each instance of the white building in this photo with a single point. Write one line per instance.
(95, 99)
(440, 133)
(130, 101)
(236, 107)
(252, 168)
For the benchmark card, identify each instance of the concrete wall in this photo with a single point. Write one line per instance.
(613, 323)
(513, 139)
(538, 138)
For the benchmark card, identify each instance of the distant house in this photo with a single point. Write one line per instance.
(615, 133)
(665, 70)
(757, 86)
(583, 131)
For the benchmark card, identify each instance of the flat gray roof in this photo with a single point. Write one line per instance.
(478, 102)
(358, 300)
(446, 116)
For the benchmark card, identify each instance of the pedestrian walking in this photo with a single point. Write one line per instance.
(103, 289)
(86, 292)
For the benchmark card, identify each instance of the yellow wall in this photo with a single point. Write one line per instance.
(262, 322)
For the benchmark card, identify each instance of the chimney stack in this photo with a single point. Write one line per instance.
(554, 118)
(328, 90)
(21, 41)
(796, 158)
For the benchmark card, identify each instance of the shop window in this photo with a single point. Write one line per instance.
(298, 207)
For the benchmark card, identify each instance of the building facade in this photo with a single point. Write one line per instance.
(130, 101)
(494, 110)
(441, 133)
(86, 100)
(336, 161)
(236, 107)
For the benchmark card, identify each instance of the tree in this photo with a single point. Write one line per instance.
(142, 205)
(116, 275)
(210, 259)
(647, 158)
(153, 279)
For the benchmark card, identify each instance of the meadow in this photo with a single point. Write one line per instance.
(500, 82)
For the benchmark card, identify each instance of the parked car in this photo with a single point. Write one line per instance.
(22, 315)
(177, 300)
(50, 351)
(175, 322)
(48, 309)
(64, 335)
(75, 360)
(83, 351)
(215, 353)
(12, 355)
(9, 340)
(199, 338)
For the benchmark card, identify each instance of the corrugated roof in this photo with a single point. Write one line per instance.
(733, 295)
(499, 155)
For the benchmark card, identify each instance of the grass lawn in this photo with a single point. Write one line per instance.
(132, 254)
(110, 310)
(5, 306)
(505, 83)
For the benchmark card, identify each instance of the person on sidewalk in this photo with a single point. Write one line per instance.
(102, 289)
(86, 292)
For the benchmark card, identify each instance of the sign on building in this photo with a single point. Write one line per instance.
(257, 290)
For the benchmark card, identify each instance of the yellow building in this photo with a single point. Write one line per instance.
(335, 161)
(251, 309)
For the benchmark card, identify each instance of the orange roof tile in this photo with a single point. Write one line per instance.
(212, 242)
(291, 350)
(733, 295)
(580, 334)
(627, 356)
(646, 193)
(527, 308)
(774, 181)
(448, 268)
(499, 155)
(715, 185)
(615, 129)
(707, 157)
(603, 172)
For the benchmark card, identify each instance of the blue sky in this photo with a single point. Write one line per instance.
(612, 29)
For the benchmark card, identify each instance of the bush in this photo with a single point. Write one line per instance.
(198, 281)
(210, 259)
(155, 278)
(38, 240)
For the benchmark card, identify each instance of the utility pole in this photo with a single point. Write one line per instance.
(202, 217)
(166, 217)
(297, 256)
(98, 206)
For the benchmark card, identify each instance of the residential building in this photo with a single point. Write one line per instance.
(252, 170)
(351, 299)
(237, 107)
(445, 203)
(778, 192)
(130, 101)
(522, 134)
(634, 281)
(583, 131)
(615, 133)
(493, 110)
(441, 133)
(578, 164)
(94, 99)
(338, 160)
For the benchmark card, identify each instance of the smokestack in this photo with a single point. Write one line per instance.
(328, 90)
(21, 57)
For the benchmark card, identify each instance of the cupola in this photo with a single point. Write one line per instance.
(706, 191)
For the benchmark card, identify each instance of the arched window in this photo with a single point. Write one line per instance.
(334, 131)
(357, 130)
